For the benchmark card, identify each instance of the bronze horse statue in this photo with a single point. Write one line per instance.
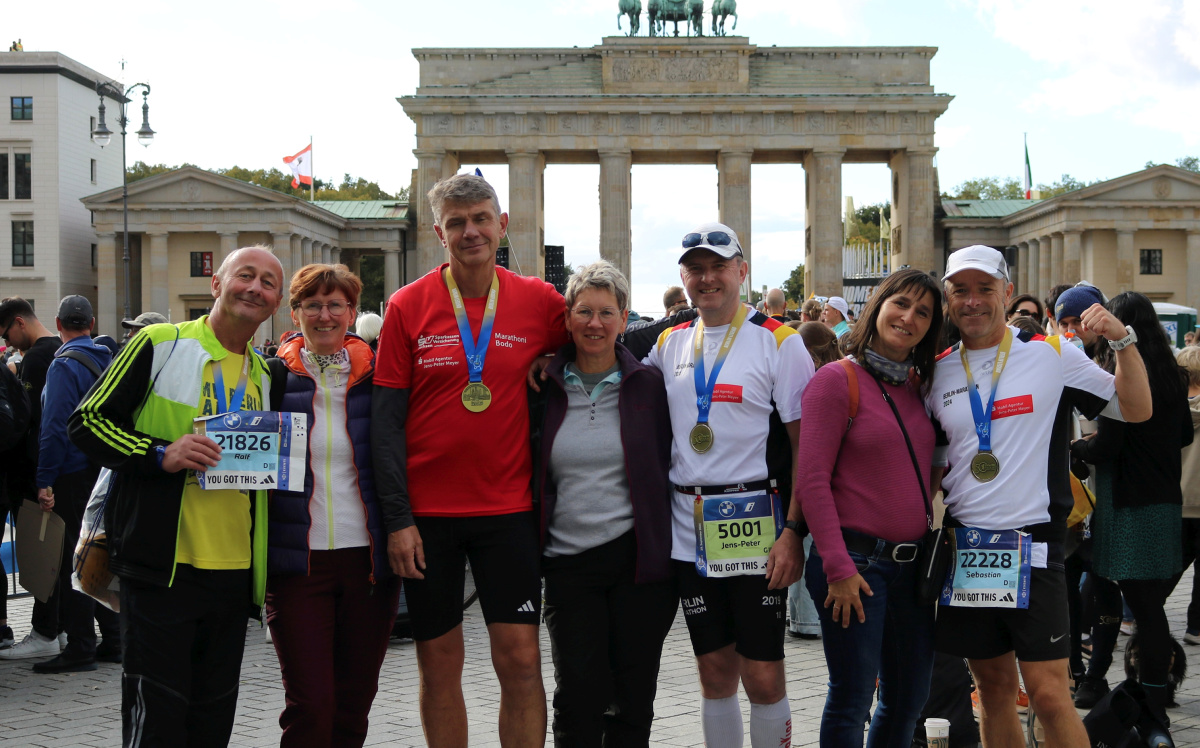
(633, 9)
(722, 9)
(690, 12)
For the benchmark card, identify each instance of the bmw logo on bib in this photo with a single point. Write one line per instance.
(232, 420)
(973, 538)
(728, 508)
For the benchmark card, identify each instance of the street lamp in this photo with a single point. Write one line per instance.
(102, 136)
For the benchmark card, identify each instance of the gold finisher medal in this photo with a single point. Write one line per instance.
(701, 437)
(476, 397)
(985, 466)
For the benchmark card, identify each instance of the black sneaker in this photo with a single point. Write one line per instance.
(6, 637)
(1089, 691)
(106, 652)
(64, 664)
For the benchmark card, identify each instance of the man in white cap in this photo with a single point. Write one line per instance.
(731, 375)
(1002, 403)
(834, 315)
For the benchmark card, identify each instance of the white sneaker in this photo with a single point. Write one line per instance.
(1190, 638)
(33, 645)
(62, 641)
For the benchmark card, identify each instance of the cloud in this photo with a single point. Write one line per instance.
(1140, 61)
(842, 19)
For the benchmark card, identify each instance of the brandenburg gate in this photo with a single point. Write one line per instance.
(705, 100)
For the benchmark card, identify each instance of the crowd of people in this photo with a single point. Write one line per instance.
(766, 474)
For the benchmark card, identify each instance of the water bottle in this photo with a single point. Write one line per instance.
(1074, 339)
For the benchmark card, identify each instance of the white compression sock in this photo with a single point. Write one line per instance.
(771, 725)
(722, 720)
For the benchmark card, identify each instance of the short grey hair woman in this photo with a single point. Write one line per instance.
(601, 475)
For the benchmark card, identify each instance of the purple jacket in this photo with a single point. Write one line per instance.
(646, 439)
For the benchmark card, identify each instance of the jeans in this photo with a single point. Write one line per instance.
(895, 644)
(802, 611)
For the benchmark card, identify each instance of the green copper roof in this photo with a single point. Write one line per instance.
(370, 210)
(984, 208)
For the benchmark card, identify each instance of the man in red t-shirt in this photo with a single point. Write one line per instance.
(452, 462)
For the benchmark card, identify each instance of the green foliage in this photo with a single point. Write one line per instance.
(864, 226)
(755, 297)
(793, 287)
(370, 271)
(1068, 183)
(987, 188)
(1191, 163)
(351, 188)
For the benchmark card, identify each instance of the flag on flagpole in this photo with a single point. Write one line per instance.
(301, 166)
(1028, 174)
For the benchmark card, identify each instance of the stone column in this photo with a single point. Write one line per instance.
(297, 252)
(283, 252)
(229, 242)
(1056, 260)
(824, 218)
(335, 255)
(733, 197)
(1072, 256)
(1193, 271)
(1043, 267)
(616, 203)
(391, 272)
(526, 227)
(1023, 267)
(306, 250)
(1126, 260)
(108, 308)
(154, 288)
(430, 252)
(326, 251)
(918, 224)
(1035, 264)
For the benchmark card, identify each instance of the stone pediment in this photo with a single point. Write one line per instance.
(1158, 184)
(190, 185)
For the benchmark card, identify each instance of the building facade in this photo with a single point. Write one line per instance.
(47, 163)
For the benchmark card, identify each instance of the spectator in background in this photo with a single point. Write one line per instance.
(776, 305)
(835, 314)
(1069, 308)
(674, 300)
(1189, 338)
(1051, 323)
(368, 326)
(1028, 324)
(1025, 305)
(1189, 358)
(810, 311)
(142, 320)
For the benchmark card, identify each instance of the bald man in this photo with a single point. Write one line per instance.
(185, 555)
(776, 305)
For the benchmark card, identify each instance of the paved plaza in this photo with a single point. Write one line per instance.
(83, 709)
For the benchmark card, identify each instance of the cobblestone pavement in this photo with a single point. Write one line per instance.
(83, 709)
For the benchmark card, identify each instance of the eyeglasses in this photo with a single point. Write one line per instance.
(712, 238)
(583, 314)
(1024, 312)
(313, 308)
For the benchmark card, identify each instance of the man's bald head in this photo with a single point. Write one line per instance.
(776, 302)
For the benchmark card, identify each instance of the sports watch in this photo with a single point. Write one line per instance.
(1129, 339)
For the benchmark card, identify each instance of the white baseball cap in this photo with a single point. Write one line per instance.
(715, 237)
(838, 303)
(977, 257)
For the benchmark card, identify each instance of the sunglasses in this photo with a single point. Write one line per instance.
(712, 239)
(1024, 312)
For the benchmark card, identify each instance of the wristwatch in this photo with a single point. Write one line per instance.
(797, 526)
(159, 453)
(1129, 339)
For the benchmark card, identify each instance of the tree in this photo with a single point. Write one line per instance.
(1191, 163)
(864, 224)
(351, 188)
(987, 188)
(793, 287)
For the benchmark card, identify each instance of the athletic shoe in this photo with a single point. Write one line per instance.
(1022, 701)
(61, 664)
(802, 635)
(62, 641)
(1128, 628)
(1190, 637)
(6, 637)
(1089, 691)
(106, 652)
(33, 645)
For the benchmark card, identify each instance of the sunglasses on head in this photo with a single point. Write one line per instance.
(712, 239)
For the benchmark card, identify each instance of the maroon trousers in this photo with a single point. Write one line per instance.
(331, 631)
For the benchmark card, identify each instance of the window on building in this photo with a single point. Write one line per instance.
(23, 176)
(93, 171)
(195, 313)
(202, 264)
(93, 255)
(22, 107)
(3, 176)
(1151, 262)
(22, 244)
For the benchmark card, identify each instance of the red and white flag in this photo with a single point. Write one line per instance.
(301, 165)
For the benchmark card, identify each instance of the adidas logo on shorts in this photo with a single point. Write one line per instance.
(527, 607)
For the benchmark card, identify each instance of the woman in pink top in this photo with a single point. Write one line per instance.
(867, 512)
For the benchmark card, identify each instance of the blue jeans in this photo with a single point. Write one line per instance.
(895, 644)
(802, 613)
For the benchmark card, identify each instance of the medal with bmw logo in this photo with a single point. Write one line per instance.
(991, 569)
(735, 530)
(260, 449)
(476, 397)
(985, 466)
(701, 436)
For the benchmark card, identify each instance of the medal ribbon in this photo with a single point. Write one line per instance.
(983, 418)
(475, 350)
(239, 393)
(704, 391)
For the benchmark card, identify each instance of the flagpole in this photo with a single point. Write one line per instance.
(313, 179)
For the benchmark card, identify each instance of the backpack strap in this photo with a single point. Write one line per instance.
(83, 358)
(852, 376)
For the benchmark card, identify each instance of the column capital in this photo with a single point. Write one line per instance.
(737, 152)
(922, 151)
(611, 153)
(156, 232)
(522, 152)
(1122, 231)
(429, 152)
(1072, 232)
(826, 151)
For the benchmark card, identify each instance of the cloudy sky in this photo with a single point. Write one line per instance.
(1100, 86)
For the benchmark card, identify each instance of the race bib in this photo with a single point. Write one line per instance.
(991, 569)
(734, 534)
(260, 449)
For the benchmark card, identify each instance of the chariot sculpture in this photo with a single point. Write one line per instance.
(690, 12)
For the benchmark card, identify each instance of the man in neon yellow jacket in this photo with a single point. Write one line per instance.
(190, 560)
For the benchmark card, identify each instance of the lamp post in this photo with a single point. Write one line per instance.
(102, 136)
